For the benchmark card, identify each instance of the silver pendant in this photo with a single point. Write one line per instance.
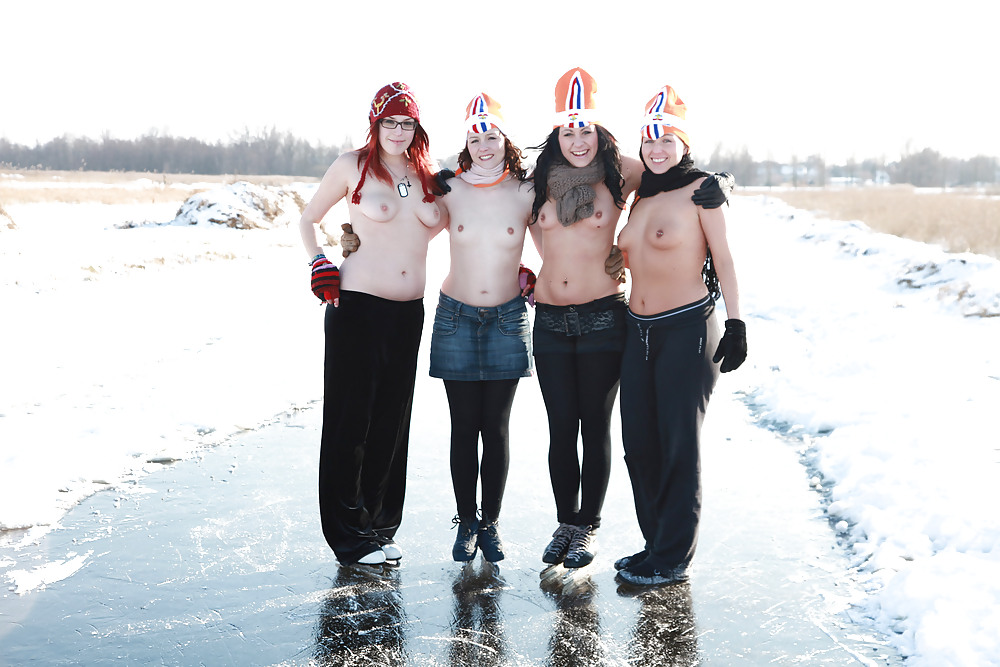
(402, 190)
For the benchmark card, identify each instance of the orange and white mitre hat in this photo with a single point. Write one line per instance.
(483, 114)
(665, 113)
(575, 99)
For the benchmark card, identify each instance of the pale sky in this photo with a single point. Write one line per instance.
(781, 78)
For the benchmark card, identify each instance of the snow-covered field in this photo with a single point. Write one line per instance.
(125, 343)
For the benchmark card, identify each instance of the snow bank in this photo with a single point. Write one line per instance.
(242, 205)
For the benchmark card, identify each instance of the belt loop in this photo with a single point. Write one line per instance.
(572, 320)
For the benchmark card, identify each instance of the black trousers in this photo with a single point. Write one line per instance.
(369, 373)
(578, 352)
(667, 379)
(480, 408)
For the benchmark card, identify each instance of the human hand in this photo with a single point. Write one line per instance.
(441, 178)
(325, 280)
(614, 265)
(732, 348)
(715, 191)
(349, 241)
(526, 279)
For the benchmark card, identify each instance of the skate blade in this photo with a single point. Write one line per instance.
(380, 570)
(577, 581)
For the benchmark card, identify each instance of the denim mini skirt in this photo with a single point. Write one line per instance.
(474, 343)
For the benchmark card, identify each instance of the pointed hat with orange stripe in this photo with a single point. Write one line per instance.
(575, 99)
(665, 113)
(483, 114)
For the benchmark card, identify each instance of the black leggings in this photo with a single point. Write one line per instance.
(480, 408)
(579, 392)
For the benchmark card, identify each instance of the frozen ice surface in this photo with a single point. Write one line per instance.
(221, 561)
(132, 344)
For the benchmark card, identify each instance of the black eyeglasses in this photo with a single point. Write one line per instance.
(390, 124)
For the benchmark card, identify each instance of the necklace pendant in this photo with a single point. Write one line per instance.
(402, 190)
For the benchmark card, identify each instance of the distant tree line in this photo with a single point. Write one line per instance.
(262, 153)
(270, 152)
(926, 168)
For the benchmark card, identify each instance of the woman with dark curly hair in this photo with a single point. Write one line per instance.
(581, 182)
(374, 319)
(481, 343)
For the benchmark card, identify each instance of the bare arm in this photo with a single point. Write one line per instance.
(331, 190)
(536, 237)
(713, 224)
(632, 173)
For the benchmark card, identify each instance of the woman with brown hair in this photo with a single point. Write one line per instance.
(481, 344)
(581, 182)
(680, 262)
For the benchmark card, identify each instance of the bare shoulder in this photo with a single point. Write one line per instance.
(346, 164)
(632, 173)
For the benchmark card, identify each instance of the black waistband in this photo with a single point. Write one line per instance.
(577, 320)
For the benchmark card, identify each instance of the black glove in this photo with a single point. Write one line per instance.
(733, 346)
(715, 191)
(441, 178)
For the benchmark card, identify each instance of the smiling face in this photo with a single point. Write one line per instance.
(396, 140)
(487, 149)
(663, 153)
(578, 144)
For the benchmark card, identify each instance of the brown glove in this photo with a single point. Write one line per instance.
(349, 241)
(614, 265)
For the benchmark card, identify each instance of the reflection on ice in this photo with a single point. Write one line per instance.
(665, 627)
(362, 621)
(576, 633)
(477, 623)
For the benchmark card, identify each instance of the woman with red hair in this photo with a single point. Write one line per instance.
(374, 318)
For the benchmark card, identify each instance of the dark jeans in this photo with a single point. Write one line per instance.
(578, 352)
(667, 379)
(480, 408)
(371, 365)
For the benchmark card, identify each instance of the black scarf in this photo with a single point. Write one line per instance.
(681, 174)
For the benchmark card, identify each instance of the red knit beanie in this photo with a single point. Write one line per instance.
(394, 99)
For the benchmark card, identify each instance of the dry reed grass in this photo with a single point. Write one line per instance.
(957, 220)
(31, 186)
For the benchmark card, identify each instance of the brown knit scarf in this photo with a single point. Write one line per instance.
(573, 191)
